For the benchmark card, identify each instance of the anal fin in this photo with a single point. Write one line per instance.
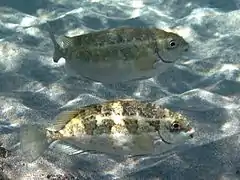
(66, 148)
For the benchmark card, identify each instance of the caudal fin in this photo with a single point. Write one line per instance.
(58, 53)
(59, 45)
(33, 141)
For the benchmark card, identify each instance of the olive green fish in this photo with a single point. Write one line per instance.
(123, 127)
(120, 54)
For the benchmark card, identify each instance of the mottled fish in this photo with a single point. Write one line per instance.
(120, 54)
(124, 127)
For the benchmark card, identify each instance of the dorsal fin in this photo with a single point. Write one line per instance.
(62, 119)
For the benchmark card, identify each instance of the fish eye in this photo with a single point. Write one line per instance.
(175, 126)
(172, 43)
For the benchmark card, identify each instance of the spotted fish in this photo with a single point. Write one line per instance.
(120, 54)
(124, 127)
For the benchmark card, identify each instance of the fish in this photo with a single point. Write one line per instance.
(122, 127)
(118, 55)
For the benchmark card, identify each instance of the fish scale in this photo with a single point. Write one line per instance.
(121, 126)
(89, 115)
(120, 54)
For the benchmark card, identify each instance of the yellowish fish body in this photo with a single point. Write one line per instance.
(120, 127)
(120, 54)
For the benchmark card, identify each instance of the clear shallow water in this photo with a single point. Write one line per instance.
(206, 87)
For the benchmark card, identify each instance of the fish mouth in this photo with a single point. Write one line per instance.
(190, 132)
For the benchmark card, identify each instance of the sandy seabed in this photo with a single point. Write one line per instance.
(205, 87)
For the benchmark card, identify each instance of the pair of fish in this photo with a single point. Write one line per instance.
(122, 127)
(119, 55)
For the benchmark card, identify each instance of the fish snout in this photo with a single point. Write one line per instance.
(190, 132)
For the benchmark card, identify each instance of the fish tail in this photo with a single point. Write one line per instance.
(33, 141)
(59, 46)
(58, 53)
